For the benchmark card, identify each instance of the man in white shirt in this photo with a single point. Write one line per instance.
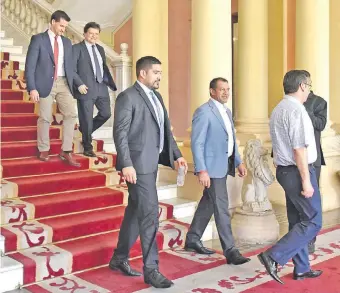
(92, 79)
(295, 152)
(216, 156)
(49, 74)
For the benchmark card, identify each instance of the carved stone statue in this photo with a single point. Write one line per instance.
(255, 221)
(259, 177)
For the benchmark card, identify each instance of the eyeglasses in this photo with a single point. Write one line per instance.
(309, 85)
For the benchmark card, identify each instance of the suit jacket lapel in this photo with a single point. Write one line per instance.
(232, 126)
(48, 45)
(87, 54)
(64, 39)
(217, 114)
(146, 100)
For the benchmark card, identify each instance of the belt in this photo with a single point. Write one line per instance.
(290, 166)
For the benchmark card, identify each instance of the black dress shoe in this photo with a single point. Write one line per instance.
(198, 247)
(310, 274)
(270, 265)
(236, 258)
(157, 280)
(89, 153)
(124, 267)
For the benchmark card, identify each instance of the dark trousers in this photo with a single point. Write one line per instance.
(140, 218)
(317, 173)
(88, 124)
(304, 217)
(213, 202)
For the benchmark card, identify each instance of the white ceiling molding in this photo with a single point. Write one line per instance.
(108, 13)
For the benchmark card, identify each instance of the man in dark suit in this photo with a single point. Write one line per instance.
(143, 139)
(92, 77)
(317, 110)
(215, 153)
(49, 75)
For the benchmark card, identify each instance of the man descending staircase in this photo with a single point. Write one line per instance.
(57, 219)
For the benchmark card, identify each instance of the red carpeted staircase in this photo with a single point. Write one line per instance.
(58, 219)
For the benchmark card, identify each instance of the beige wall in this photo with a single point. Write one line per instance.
(123, 35)
(179, 65)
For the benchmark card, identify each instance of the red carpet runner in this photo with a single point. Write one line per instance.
(58, 219)
(210, 274)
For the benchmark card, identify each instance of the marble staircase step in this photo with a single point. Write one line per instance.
(11, 274)
(166, 190)
(11, 49)
(209, 233)
(6, 41)
(18, 57)
(182, 207)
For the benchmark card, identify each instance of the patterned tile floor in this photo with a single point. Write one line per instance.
(330, 218)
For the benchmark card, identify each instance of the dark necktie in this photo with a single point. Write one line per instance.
(56, 56)
(160, 120)
(99, 76)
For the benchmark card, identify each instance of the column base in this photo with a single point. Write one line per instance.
(255, 129)
(329, 179)
(330, 140)
(254, 228)
(336, 127)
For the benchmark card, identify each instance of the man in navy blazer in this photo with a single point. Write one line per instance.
(215, 153)
(49, 75)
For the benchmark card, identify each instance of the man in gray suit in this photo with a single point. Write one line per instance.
(49, 75)
(143, 139)
(215, 153)
(92, 77)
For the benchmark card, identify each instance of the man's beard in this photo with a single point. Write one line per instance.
(155, 85)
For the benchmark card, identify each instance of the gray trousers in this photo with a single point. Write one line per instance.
(213, 202)
(140, 218)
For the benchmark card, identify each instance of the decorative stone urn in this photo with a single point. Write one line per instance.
(255, 222)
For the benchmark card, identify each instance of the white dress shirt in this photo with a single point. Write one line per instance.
(148, 93)
(61, 69)
(223, 111)
(100, 59)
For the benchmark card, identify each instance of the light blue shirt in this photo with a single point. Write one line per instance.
(100, 59)
(291, 128)
(149, 94)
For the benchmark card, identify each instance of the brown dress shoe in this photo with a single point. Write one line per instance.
(67, 157)
(43, 156)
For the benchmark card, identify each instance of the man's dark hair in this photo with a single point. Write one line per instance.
(213, 83)
(293, 79)
(91, 24)
(145, 63)
(59, 14)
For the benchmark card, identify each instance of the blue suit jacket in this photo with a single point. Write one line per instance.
(209, 142)
(39, 68)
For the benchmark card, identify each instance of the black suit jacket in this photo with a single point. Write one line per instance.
(39, 67)
(84, 73)
(136, 133)
(317, 110)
